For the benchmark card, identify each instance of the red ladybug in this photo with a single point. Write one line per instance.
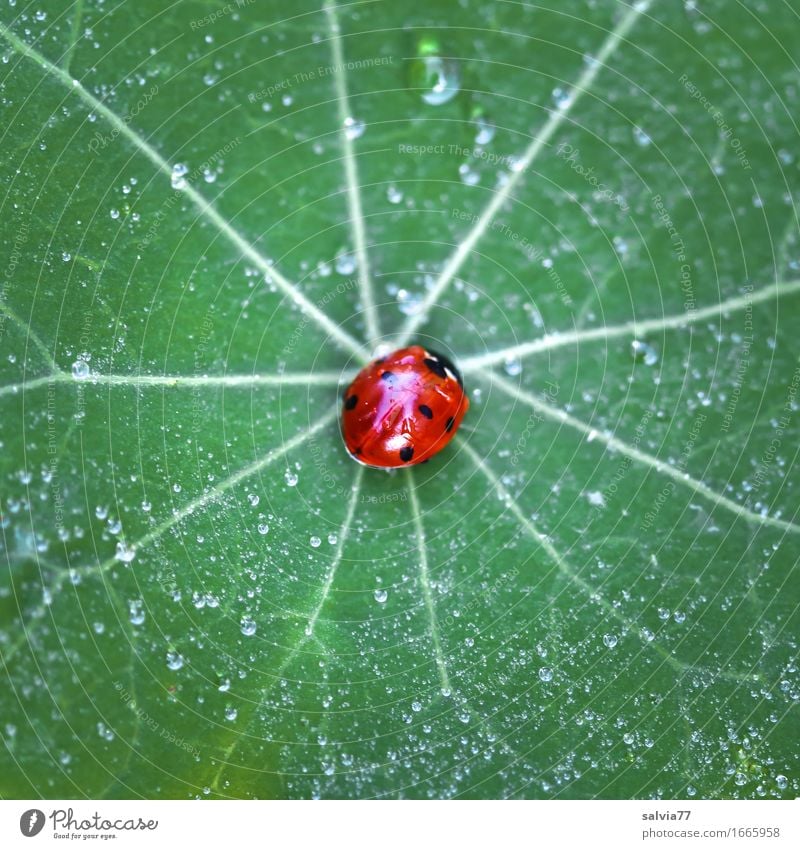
(403, 408)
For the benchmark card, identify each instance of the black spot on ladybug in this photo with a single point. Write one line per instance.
(350, 403)
(446, 364)
(426, 411)
(388, 376)
(406, 453)
(450, 422)
(381, 361)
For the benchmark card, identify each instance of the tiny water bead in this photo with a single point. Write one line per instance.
(290, 477)
(353, 128)
(178, 176)
(609, 640)
(642, 352)
(231, 713)
(315, 542)
(380, 596)
(80, 369)
(545, 674)
(247, 626)
(437, 77)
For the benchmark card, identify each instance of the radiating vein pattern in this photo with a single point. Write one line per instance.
(537, 145)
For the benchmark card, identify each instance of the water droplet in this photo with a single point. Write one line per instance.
(393, 194)
(513, 366)
(561, 98)
(345, 263)
(353, 128)
(437, 77)
(80, 369)
(467, 175)
(641, 138)
(253, 499)
(291, 478)
(545, 674)
(231, 713)
(381, 596)
(177, 177)
(114, 213)
(263, 528)
(485, 133)
(124, 553)
(416, 707)
(609, 640)
(248, 626)
(315, 542)
(136, 609)
(679, 616)
(782, 782)
(407, 302)
(740, 779)
(644, 353)
(333, 538)
(174, 660)
(627, 738)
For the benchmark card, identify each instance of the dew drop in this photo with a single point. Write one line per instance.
(177, 176)
(231, 713)
(315, 542)
(174, 660)
(781, 781)
(263, 528)
(640, 137)
(333, 538)
(291, 478)
(80, 369)
(125, 554)
(642, 352)
(438, 78)
(381, 596)
(393, 194)
(345, 263)
(545, 674)
(253, 499)
(513, 366)
(353, 128)
(609, 640)
(248, 626)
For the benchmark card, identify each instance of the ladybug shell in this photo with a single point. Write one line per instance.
(403, 408)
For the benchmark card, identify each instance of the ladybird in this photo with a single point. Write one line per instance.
(403, 408)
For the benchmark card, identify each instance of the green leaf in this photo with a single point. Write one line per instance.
(212, 214)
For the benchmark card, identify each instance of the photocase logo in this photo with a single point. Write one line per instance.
(31, 822)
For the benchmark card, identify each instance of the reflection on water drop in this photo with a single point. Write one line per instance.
(248, 626)
(437, 77)
(512, 366)
(315, 542)
(231, 713)
(291, 478)
(545, 674)
(782, 781)
(381, 596)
